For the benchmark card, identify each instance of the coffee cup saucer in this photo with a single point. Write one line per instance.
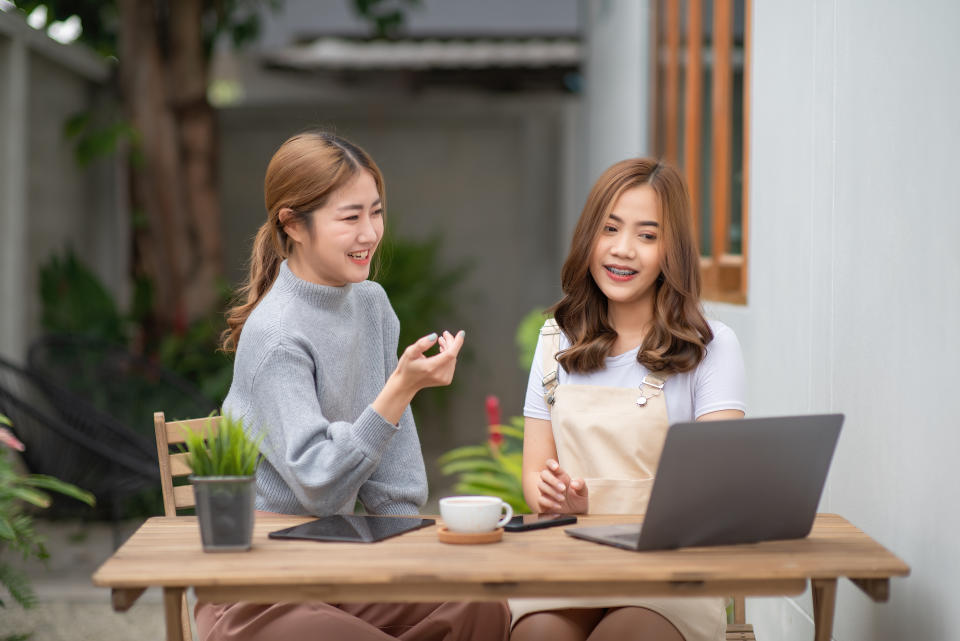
(446, 536)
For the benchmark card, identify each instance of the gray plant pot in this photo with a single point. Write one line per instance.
(225, 511)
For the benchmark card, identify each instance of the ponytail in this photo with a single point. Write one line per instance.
(300, 177)
(264, 266)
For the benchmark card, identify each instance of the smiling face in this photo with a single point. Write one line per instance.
(335, 245)
(625, 261)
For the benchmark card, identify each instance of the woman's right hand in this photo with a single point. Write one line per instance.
(417, 370)
(559, 493)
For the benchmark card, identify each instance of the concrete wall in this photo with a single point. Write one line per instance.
(47, 201)
(854, 276)
(854, 281)
(485, 171)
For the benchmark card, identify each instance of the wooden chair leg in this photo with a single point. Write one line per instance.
(185, 618)
(824, 603)
(739, 609)
(173, 602)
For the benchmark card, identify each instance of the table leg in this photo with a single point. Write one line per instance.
(824, 602)
(173, 599)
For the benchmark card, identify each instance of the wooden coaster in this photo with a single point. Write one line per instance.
(446, 536)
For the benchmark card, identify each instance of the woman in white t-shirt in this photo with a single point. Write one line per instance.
(627, 352)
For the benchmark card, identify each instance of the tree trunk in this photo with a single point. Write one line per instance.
(163, 71)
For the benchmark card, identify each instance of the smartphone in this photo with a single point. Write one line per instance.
(523, 522)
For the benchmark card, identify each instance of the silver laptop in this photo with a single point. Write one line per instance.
(738, 481)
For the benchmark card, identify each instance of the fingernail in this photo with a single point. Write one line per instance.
(461, 333)
(432, 336)
(552, 465)
(562, 487)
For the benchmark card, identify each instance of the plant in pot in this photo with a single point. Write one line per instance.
(223, 466)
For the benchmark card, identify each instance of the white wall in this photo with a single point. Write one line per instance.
(854, 279)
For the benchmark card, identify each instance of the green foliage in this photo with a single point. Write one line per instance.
(492, 469)
(386, 17)
(229, 452)
(93, 141)
(419, 287)
(528, 333)
(195, 352)
(16, 525)
(74, 301)
(100, 20)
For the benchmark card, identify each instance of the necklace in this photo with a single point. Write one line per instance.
(656, 385)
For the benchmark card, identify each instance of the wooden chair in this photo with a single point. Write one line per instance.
(740, 630)
(177, 497)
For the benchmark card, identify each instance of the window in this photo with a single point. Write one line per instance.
(701, 124)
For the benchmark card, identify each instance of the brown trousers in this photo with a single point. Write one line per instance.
(447, 621)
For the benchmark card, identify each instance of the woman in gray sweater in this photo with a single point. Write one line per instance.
(316, 373)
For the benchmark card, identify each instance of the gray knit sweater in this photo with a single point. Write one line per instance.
(310, 361)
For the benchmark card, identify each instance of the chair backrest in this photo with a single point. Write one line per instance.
(174, 466)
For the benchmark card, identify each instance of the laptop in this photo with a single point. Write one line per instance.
(735, 481)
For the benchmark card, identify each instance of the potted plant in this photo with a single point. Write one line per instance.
(223, 472)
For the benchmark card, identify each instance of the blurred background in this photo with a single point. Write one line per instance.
(818, 140)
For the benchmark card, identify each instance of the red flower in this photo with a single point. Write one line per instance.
(493, 410)
(7, 438)
(496, 437)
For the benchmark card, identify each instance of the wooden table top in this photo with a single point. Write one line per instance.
(416, 566)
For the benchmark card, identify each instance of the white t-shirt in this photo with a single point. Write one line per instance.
(717, 383)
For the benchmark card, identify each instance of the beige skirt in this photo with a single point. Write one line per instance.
(697, 619)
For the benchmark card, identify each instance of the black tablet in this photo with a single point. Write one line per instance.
(352, 528)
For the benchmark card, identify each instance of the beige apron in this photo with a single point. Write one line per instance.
(612, 438)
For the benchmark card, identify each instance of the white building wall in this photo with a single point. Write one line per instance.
(854, 276)
(853, 299)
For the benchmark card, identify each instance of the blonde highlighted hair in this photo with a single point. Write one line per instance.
(301, 176)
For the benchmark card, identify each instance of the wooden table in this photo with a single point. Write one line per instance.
(166, 552)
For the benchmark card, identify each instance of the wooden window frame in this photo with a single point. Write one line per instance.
(724, 274)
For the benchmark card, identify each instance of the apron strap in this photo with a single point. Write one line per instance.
(550, 332)
(551, 346)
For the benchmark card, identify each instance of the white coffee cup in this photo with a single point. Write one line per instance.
(474, 514)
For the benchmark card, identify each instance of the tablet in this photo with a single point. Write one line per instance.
(352, 528)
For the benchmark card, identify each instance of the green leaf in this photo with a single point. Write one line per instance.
(229, 452)
(467, 451)
(6, 528)
(6, 421)
(501, 482)
(34, 497)
(470, 465)
(511, 431)
(18, 585)
(56, 485)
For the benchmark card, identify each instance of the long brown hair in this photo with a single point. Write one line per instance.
(302, 174)
(677, 339)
